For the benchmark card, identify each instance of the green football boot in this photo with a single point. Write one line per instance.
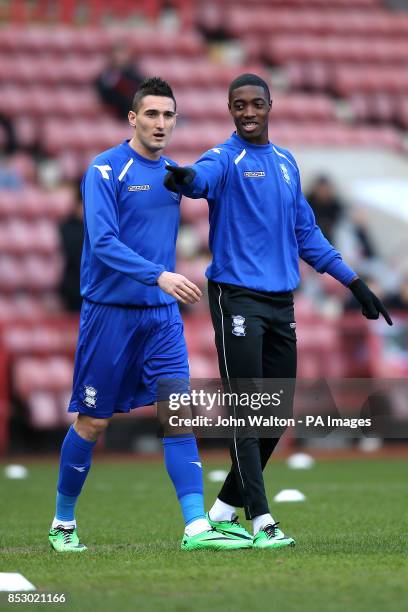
(272, 537)
(232, 528)
(65, 540)
(213, 540)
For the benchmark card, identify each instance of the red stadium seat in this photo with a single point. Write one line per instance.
(203, 367)
(193, 210)
(40, 273)
(402, 111)
(302, 107)
(381, 107)
(11, 274)
(31, 374)
(194, 103)
(194, 270)
(43, 412)
(270, 20)
(194, 72)
(17, 237)
(7, 310)
(207, 134)
(350, 79)
(59, 202)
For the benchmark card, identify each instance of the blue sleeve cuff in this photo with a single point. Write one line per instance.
(340, 271)
(159, 270)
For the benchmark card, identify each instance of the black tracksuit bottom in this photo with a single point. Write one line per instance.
(263, 345)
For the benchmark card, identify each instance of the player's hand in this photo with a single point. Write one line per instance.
(179, 287)
(177, 177)
(372, 306)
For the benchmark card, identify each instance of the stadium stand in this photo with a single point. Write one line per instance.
(351, 53)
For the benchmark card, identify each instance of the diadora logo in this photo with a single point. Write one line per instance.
(103, 170)
(254, 174)
(238, 325)
(90, 396)
(138, 187)
(285, 172)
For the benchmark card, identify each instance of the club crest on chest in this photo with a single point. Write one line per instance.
(285, 172)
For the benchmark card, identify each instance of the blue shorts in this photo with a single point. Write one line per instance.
(121, 355)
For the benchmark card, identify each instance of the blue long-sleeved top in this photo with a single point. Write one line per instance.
(260, 221)
(131, 224)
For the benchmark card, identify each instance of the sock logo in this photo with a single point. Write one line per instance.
(196, 463)
(90, 396)
(79, 468)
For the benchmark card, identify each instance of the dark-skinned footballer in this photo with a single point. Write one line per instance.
(260, 225)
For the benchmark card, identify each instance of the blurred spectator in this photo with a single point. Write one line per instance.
(399, 301)
(327, 207)
(361, 232)
(72, 236)
(211, 22)
(119, 81)
(10, 177)
(8, 141)
(346, 228)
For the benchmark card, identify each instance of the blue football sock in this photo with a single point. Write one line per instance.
(184, 468)
(65, 507)
(76, 457)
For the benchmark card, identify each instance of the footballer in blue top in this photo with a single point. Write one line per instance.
(131, 333)
(260, 225)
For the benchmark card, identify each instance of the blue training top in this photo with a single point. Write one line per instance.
(260, 221)
(131, 223)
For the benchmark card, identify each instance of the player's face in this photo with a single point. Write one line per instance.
(153, 121)
(249, 107)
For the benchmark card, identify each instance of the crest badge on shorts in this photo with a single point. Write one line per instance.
(238, 325)
(90, 396)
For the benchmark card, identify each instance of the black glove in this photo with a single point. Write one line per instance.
(177, 177)
(372, 305)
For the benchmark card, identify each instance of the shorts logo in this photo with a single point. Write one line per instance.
(90, 396)
(292, 325)
(238, 327)
(138, 187)
(254, 174)
(285, 172)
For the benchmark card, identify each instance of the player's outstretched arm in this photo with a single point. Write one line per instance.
(178, 177)
(179, 287)
(372, 306)
(204, 179)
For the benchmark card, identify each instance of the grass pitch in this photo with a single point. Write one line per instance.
(351, 533)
